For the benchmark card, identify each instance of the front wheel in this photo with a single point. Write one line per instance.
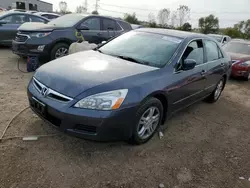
(148, 118)
(59, 50)
(217, 92)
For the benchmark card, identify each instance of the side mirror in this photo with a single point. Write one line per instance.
(189, 64)
(83, 27)
(3, 22)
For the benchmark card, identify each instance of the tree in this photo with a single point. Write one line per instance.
(233, 32)
(163, 16)
(186, 27)
(183, 13)
(131, 18)
(151, 18)
(244, 27)
(63, 6)
(173, 19)
(81, 9)
(95, 12)
(209, 24)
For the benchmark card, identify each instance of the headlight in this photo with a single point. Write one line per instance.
(245, 64)
(103, 101)
(40, 35)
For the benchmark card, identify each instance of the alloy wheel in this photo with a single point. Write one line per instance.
(148, 122)
(61, 52)
(218, 90)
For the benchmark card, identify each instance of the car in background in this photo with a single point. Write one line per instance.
(126, 88)
(222, 39)
(11, 21)
(239, 50)
(32, 11)
(136, 26)
(50, 16)
(2, 9)
(17, 10)
(52, 40)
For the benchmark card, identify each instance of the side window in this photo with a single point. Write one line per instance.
(92, 23)
(109, 24)
(45, 15)
(36, 19)
(15, 19)
(194, 51)
(220, 54)
(51, 17)
(118, 27)
(211, 50)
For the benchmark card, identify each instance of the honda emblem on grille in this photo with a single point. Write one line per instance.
(44, 91)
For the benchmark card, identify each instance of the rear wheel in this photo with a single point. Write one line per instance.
(59, 50)
(148, 118)
(217, 92)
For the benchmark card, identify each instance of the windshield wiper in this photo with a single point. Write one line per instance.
(132, 59)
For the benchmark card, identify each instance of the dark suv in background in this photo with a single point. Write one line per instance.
(53, 39)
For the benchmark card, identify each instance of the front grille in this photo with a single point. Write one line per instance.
(86, 128)
(21, 38)
(50, 92)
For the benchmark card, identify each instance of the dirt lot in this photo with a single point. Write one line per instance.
(204, 146)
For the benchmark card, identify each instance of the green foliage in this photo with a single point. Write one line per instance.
(233, 32)
(244, 28)
(131, 18)
(209, 24)
(186, 27)
(95, 12)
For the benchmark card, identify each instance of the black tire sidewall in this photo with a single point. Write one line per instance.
(56, 47)
(152, 102)
(213, 96)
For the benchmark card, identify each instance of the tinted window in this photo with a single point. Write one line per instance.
(92, 23)
(194, 51)
(109, 24)
(16, 19)
(36, 19)
(51, 17)
(237, 47)
(212, 50)
(147, 48)
(125, 25)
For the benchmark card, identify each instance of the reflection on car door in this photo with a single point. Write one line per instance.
(190, 84)
(94, 34)
(215, 64)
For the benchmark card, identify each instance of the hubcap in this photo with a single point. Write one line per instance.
(148, 122)
(61, 52)
(218, 90)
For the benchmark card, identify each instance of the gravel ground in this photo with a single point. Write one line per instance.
(203, 146)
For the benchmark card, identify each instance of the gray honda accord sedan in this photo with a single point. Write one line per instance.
(128, 87)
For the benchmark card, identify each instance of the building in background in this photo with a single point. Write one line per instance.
(37, 5)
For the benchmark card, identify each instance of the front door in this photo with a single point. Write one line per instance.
(190, 84)
(94, 33)
(215, 64)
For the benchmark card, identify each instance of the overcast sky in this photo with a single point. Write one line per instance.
(228, 11)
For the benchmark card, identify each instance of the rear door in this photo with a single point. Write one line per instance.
(8, 31)
(215, 64)
(190, 84)
(94, 34)
(109, 28)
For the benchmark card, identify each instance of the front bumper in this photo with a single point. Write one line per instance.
(30, 49)
(240, 72)
(84, 123)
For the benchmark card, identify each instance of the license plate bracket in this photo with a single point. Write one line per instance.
(39, 106)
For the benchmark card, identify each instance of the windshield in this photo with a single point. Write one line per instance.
(237, 47)
(216, 37)
(151, 49)
(68, 20)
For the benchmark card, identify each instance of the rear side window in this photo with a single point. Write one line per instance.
(125, 26)
(194, 51)
(211, 50)
(16, 19)
(36, 19)
(92, 23)
(109, 24)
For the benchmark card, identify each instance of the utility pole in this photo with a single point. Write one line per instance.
(96, 5)
(86, 5)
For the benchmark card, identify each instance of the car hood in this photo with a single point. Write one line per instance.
(74, 74)
(238, 56)
(37, 27)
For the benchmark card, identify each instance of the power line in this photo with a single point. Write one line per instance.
(192, 12)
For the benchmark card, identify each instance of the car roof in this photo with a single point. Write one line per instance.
(24, 13)
(50, 13)
(174, 33)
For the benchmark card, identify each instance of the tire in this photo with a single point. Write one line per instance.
(60, 46)
(215, 95)
(143, 111)
(247, 78)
